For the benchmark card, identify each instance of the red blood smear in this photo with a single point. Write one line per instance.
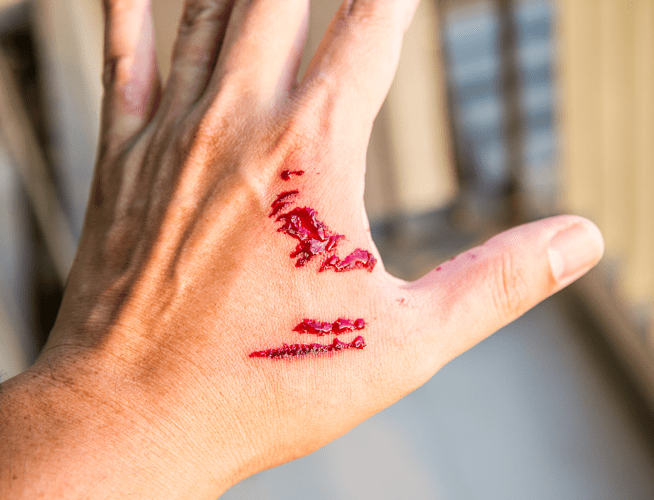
(321, 328)
(359, 259)
(313, 236)
(286, 174)
(282, 201)
(294, 350)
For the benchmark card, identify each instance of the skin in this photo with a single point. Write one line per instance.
(145, 388)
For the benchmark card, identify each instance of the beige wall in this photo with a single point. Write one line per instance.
(607, 116)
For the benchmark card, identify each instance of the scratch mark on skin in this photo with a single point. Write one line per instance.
(282, 201)
(359, 259)
(286, 174)
(313, 236)
(321, 328)
(294, 350)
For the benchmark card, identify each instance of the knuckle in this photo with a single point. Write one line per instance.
(198, 12)
(510, 286)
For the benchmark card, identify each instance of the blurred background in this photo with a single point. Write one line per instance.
(501, 112)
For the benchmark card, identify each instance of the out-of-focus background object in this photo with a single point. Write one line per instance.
(501, 111)
(607, 128)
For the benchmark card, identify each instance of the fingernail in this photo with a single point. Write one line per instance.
(575, 250)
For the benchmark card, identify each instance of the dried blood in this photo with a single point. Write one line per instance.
(282, 201)
(359, 259)
(321, 328)
(293, 350)
(286, 174)
(313, 236)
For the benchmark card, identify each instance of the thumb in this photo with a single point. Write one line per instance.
(483, 289)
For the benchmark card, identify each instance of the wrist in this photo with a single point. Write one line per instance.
(66, 433)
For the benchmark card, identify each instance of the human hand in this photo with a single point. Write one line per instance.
(182, 274)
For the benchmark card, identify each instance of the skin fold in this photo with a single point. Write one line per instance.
(146, 388)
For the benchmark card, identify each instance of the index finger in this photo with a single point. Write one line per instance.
(356, 60)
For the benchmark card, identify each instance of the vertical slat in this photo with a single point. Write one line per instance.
(514, 123)
(417, 112)
(580, 110)
(617, 84)
(607, 117)
(640, 272)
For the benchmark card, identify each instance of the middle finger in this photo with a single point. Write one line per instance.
(261, 52)
(201, 31)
